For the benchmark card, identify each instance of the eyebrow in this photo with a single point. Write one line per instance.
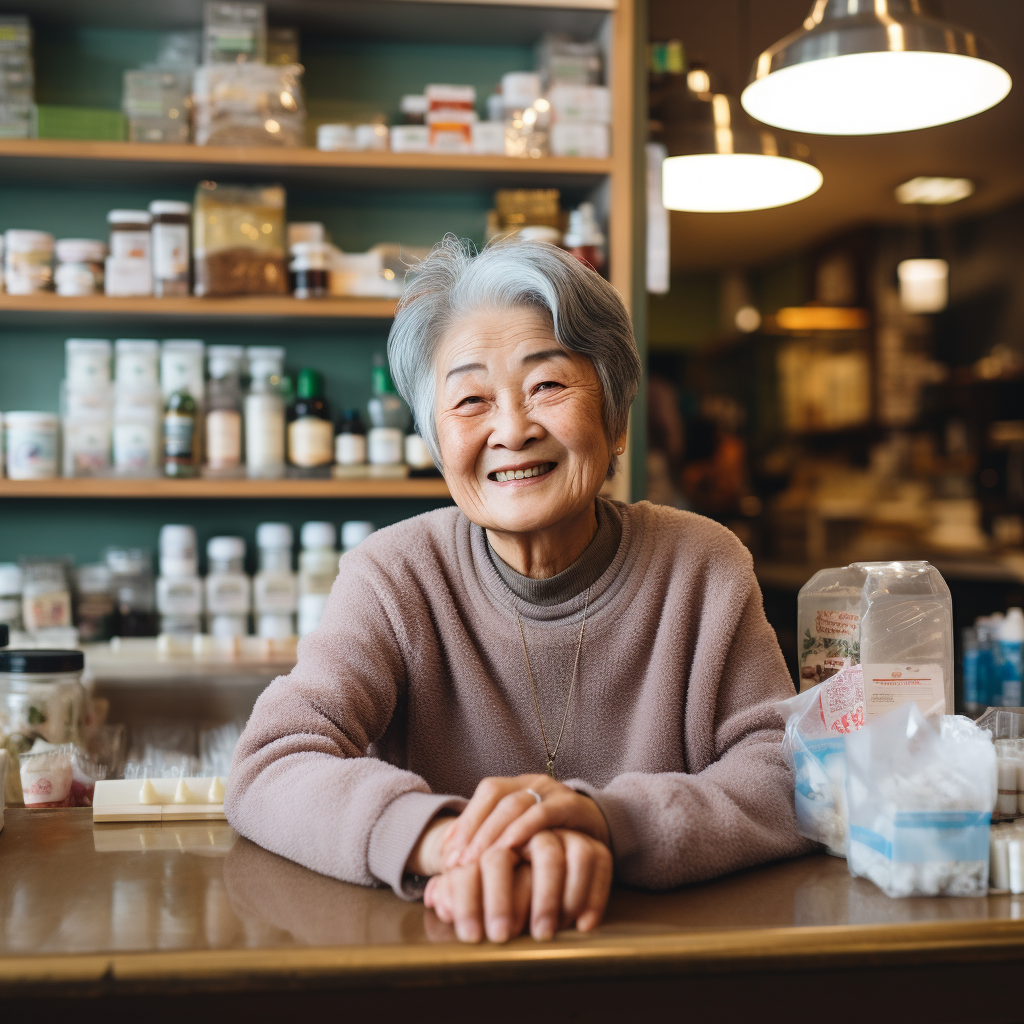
(533, 357)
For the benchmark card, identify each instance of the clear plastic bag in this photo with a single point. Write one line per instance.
(920, 799)
(894, 618)
(249, 105)
(816, 722)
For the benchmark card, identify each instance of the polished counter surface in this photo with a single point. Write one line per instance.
(154, 905)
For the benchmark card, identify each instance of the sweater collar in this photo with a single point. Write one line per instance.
(583, 573)
(481, 566)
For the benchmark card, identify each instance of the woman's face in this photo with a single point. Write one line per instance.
(519, 422)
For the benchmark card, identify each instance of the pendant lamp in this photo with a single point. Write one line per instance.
(867, 67)
(719, 162)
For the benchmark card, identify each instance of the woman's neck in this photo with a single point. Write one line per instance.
(541, 554)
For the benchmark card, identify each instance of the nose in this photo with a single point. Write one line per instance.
(512, 426)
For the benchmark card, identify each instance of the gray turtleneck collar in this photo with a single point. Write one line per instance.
(584, 572)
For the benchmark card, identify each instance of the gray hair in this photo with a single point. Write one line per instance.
(588, 316)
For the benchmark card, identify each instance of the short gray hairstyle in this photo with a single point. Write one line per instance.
(587, 313)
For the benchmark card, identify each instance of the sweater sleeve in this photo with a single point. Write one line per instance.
(736, 808)
(301, 783)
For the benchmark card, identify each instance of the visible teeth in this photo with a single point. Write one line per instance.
(522, 474)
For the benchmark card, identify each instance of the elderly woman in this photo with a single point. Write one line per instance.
(509, 702)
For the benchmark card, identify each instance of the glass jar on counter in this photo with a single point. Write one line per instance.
(28, 261)
(41, 697)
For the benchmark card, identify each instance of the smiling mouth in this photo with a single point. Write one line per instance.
(505, 476)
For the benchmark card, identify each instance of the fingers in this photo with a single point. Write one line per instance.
(522, 893)
(473, 815)
(563, 808)
(466, 902)
(600, 889)
(547, 857)
(511, 808)
(496, 870)
(580, 864)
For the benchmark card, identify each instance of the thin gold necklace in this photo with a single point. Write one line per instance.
(552, 753)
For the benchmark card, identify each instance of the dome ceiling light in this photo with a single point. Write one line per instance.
(868, 67)
(934, 191)
(719, 162)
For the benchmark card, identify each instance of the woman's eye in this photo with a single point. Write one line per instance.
(547, 385)
(470, 400)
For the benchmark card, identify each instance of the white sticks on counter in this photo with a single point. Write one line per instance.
(180, 799)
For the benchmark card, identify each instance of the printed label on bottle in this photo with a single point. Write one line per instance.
(224, 438)
(888, 686)
(47, 611)
(275, 594)
(311, 442)
(129, 245)
(350, 449)
(227, 594)
(179, 596)
(178, 436)
(133, 446)
(264, 433)
(170, 252)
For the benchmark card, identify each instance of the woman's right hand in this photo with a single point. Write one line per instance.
(558, 879)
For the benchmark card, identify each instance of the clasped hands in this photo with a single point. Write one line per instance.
(508, 859)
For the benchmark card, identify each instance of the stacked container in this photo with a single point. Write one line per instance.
(138, 407)
(86, 407)
(17, 77)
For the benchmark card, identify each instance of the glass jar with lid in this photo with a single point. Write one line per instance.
(41, 697)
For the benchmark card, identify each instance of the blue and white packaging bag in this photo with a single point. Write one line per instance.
(920, 798)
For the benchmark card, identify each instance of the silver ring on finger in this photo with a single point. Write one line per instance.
(536, 796)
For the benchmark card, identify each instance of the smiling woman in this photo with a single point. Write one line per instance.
(471, 659)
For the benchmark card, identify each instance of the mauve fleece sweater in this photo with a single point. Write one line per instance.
(414, 689)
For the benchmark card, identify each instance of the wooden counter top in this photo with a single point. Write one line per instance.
(121, 909)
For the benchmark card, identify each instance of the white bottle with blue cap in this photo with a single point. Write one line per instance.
(1011, 643)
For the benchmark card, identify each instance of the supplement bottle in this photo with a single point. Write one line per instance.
(170, 246)
(310, 430)
(350, 442)
(265, 413)
(1011, 641)
(228, 588)
(180, 435)
(179, 590)
(275, 588)
(94, 604)
(134, 593)
(385, 442)
(224, 408)
(318, 567)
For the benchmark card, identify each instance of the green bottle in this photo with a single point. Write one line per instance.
(180, 435)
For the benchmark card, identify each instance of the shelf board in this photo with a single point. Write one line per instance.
(48, 306)
(161, 487)
(65, 159)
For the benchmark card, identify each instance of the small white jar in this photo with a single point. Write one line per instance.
(79, 266)
(30, 441)
(334, 137)
(385, 446)
(28, 261)
(87, 362)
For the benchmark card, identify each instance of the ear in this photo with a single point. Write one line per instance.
(620, 444)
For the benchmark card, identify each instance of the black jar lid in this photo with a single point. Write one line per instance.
(5, 634)
(41, 662)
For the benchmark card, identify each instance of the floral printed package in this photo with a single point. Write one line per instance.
(817, 721)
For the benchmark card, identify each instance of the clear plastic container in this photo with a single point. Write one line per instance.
(134, 591)
(894, 618)
(28, 261)
(249, 105)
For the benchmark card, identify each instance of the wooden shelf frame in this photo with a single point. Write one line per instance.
(235, 307)
(204, 487)
(59, 159)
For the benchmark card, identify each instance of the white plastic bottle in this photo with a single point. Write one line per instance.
(264, 413)
(275, 588)
(228, 589)
(1011, 642)
(318, 567)
(179, 590)
(354, 532)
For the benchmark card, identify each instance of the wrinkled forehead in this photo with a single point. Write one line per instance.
(495, 336)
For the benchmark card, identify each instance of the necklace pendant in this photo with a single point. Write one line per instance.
(551, 767)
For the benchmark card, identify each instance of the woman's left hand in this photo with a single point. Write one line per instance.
(504, 813)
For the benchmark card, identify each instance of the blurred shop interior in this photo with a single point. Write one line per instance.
(829, 400)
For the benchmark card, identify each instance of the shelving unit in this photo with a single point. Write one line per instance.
(66, 187)
(160, 487)
(245, 307)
